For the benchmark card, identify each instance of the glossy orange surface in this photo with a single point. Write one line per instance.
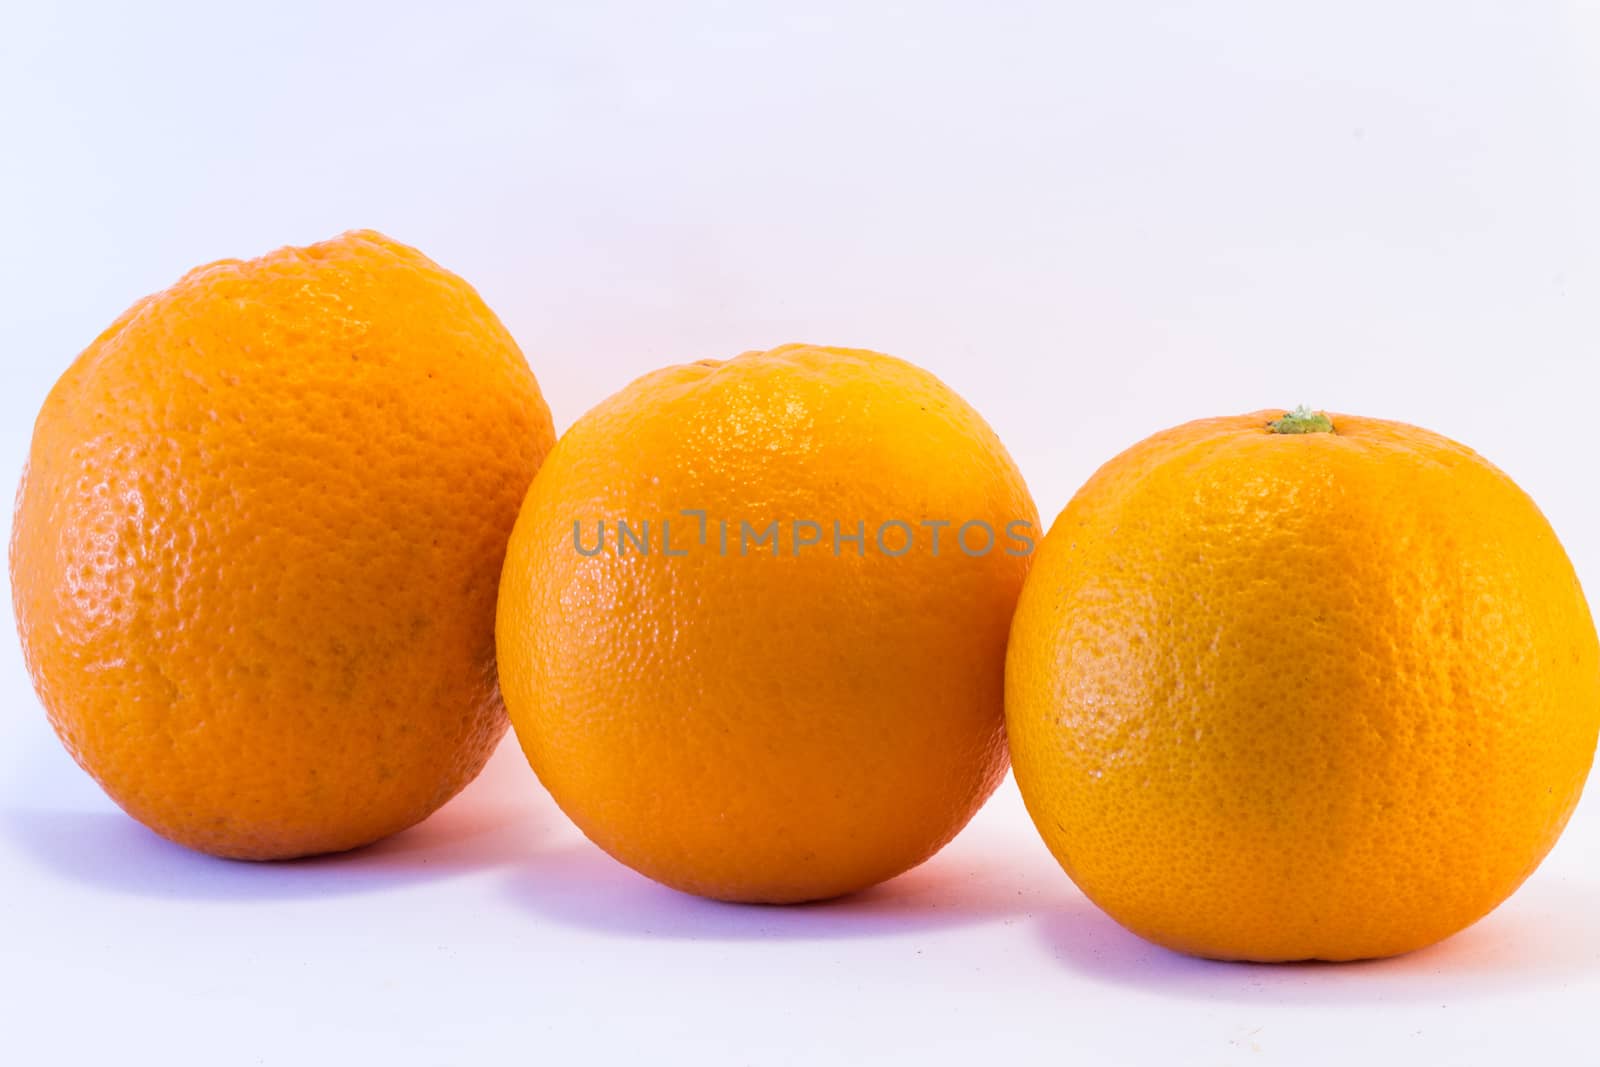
(1275, 697)
(257, 544)
(779, 724)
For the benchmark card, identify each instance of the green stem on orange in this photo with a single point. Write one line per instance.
(1302, 420)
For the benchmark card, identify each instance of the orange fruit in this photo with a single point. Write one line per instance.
(768, 718)
(1310, 687)
(257, 543)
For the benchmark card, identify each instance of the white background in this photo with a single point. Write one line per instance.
(1092, 219)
